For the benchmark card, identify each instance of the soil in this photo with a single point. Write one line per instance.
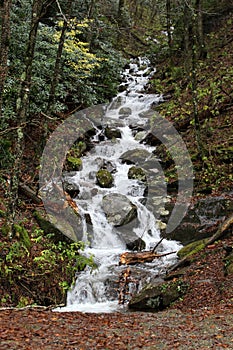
(207, 328)
(202, 319)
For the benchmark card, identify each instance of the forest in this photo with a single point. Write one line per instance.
(58, 57)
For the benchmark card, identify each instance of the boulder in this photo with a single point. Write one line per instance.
(118, 209)
(137, 156)
(202, 219)
(112, 133)
(71, 188)
(104, 178)
(137, 245)
(137, 174)
(58, 225)
(158, 296)
(124, 112)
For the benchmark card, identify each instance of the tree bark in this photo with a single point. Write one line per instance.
(57, 66)
(38, 10)
(4, 46)
(169, 35)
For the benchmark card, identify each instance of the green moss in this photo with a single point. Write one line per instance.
(192, 248)
(74, 163)
(23, 235)
(104, 178)
(137, 174)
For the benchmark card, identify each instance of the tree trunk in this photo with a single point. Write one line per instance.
(57, 66)
(4, 46)
(22, 108)
(199, 29)
(169, 35)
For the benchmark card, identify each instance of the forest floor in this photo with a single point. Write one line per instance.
(208, 328)
(202, 319)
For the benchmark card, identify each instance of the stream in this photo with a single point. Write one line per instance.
(96, 290)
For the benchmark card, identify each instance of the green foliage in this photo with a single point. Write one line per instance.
(48, 261)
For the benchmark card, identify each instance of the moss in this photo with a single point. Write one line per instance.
(137, 174)
(74, 163)
(104, 178)
(192, 248)
(23, 235)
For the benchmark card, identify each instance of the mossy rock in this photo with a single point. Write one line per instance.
(137, 174)
(112, 133)
(156, 297)
(104, 178)
(192, 248)
(74, 163)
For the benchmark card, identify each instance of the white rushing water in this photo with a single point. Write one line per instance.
(94, 290)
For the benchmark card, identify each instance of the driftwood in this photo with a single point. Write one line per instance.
(131, 258)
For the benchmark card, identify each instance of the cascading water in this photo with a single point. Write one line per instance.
(96, 291)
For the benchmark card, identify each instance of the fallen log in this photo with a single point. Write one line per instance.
(132, 258)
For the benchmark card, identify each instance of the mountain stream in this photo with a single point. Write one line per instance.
(96, 290)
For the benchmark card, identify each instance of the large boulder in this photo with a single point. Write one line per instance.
(135, 156)
(158, 296)
(118, 209)
(104, 178)
(202, 219)
(59, 225)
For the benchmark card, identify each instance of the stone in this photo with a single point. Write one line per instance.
(112, 133)
(202, 220)
(136, 245)
(125, 112)
(104, 178)
(71, 187)
(58, 225)
(158, 296)
(137, 174)
(191, 248)
(118, 209)
(137, 156)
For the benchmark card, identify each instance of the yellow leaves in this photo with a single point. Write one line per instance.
(78, 55)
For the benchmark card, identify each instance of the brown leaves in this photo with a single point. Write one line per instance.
(33, 329)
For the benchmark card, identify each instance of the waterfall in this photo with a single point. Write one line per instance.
(96, 290)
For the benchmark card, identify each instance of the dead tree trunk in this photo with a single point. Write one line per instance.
(129, 258)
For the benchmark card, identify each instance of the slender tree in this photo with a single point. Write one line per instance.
(57, 65)
(4, 46)
(39, 8)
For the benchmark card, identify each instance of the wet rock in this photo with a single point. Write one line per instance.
(137, 156)
(136, 245)
(201, 220)
(112, 133)
(118, 209)
(104, 178)
(156, 297)
(125, 112)
(120, 100)
(137, 174)
(70, 186)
